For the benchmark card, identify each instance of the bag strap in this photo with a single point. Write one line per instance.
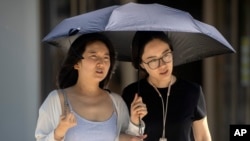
(65, 102)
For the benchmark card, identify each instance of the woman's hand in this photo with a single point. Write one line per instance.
(66, 121)
(126, 137)
(137, 110)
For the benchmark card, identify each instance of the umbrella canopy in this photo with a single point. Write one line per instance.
(192, 39)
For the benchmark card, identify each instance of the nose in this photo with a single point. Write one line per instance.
(100, 61)
(161, 62)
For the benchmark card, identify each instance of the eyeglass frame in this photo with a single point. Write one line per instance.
(167, 54)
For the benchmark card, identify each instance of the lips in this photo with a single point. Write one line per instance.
(163, 72)
(99, 71)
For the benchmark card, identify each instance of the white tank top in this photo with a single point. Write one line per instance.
(87, 130)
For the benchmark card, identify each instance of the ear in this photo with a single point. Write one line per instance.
(76, 66)
(142, 66)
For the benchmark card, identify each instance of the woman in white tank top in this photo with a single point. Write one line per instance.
(81, 109)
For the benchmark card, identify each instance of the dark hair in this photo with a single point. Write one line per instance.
(68, 75)
(141, 38)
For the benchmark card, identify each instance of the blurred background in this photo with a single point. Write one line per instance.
(28, 68)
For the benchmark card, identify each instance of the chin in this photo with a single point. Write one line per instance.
(166, 76)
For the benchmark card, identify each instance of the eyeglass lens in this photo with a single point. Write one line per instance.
(156, 62)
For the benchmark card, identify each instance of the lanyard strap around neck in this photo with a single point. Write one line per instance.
(164, 110)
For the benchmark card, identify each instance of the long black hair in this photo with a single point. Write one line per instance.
(68, 75)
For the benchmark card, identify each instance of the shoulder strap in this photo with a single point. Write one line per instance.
(65, 103)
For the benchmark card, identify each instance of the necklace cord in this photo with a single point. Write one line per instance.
(164, 110)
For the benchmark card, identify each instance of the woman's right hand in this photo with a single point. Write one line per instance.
(137, 110)
(126, 137)
(66, 121)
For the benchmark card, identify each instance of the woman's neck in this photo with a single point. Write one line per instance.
(162, 83)
(86, 89)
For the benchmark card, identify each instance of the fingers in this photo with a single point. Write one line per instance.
(142, 111)
(69, 119)
(137, 106)
(138, 138)
(140, 108)
(137, 109)
(143, 136)
(66, 121)
(135, 98)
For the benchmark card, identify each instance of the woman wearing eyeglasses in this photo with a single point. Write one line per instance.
(176, 107)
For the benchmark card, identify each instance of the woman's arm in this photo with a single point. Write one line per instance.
(126, 137)
(201, 130)
(50, 125)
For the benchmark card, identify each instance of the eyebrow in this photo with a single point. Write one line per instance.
(94, 52)
(165, 51)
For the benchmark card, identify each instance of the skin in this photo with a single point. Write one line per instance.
(161, 77)
(86, 97)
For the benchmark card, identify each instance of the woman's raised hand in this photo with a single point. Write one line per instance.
(66, 121)
(137, 110)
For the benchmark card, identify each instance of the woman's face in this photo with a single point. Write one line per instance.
(157, 59)
(96, 62)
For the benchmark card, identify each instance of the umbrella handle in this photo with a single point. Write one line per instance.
(140, 127)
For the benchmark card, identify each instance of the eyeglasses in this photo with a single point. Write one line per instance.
(155, 63)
